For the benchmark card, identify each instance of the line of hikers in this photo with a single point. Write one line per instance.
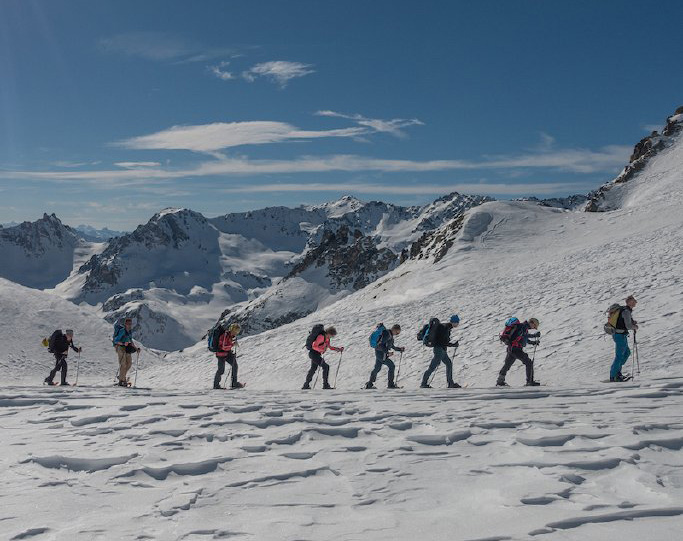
(222, 340)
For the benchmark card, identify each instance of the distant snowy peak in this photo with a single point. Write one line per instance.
(570, 202)
(38, 254)
(644, 151)
(340, 207)
(92, 234)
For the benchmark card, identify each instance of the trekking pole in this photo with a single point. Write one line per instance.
(336, 375)
(78, 365)
(635, 351)
(315, 381)
(137, 367)
(398, 370)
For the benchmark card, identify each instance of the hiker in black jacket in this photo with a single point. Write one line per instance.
(516, 340)
(385, 343)
(59, 346)
(441, 342)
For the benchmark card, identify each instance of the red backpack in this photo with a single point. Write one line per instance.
(512, 333)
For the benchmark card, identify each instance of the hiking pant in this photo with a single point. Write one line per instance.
(512, 355)
(621, 353)
(316, 362)
(60, 364)
(381, 358)
(125, 362)
(440, 356)
(232, 361)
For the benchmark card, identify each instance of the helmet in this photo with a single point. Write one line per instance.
(534, 321)
(455, 318)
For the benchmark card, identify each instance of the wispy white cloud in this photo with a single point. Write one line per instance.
(135, 165)
(222, 135)
(393, 126)
(159, 46)
(219, 71)
(278, 71)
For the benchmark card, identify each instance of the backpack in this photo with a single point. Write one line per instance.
(117, 328)
(52, 341)
(428, 332)
(613, 314)
(376, 335)
(316, 331)
(511, 335)
(214, 337)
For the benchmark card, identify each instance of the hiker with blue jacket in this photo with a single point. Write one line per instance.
(124, 345)
(517, 336)
(384, 345)
(441, 340)
(624, 323)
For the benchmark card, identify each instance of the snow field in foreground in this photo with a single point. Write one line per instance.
(601, 462)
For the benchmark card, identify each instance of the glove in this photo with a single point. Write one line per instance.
(341, 349)
(80, 349)
(401, 349)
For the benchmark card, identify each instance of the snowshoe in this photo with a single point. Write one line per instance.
(238, 385)
(454, 386)
(369, 385)
(501, 383)
(620, 378)
(327, 386)
(306, 387)
(393, 386)
(46, 381)
(425, 386)
(532, 383)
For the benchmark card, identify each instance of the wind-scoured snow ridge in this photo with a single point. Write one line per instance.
(38, 254)
(572, 463)
(615, 193)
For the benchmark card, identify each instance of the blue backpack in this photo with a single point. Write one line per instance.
(376, 335)
(118, 326)
(214, 336)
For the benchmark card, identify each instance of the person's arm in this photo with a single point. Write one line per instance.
(77, 350)
(319, 344)
(534, 338)
(628, 320)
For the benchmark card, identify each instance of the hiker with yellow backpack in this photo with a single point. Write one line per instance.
(620, 321)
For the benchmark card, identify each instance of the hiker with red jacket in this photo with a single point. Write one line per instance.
(226, 343)
(318, 343)
(516, 336)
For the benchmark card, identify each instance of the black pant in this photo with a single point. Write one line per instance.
(512, 355)
(60, 364)
(440, 356)
(232, 361)
(316, 362)
(382, 359)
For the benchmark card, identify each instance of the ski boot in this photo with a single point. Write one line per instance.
(501, 383)
(425, 386)
(532, 383)
(306, 387)
(369, 385)
(47, 381)
(454, 386)
(393, 386)
(237, 385)
(327, 386)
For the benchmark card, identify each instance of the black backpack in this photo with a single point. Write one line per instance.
(52, 342)
(316, 331)
(428, 332)
(214, 336)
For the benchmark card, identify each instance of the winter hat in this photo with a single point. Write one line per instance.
(455, 318)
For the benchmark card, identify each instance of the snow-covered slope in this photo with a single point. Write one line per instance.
(509, 258)
(38, 254)
(28, 315)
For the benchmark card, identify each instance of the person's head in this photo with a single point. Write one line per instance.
(396, 330)
(234, 329)
(533, 323)
(631, 302)
(455, 320)
(331, 332)
(69, 334)
(128, 322)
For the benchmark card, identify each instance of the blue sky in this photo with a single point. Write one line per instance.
(112, 110)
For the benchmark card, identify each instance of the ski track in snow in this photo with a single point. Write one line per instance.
(527, 463)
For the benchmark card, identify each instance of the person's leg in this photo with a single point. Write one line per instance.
(436, 360)
(126, 363)
(528, 363)
(620, 348)
(625, 353)
(232, 360)
(326, 372)
(392, 370)
(509, 360)
(315, 363)
(63, 368)
(445, 359)
(379, 359)
(51, 377)
(121, 353)
(219, 373)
